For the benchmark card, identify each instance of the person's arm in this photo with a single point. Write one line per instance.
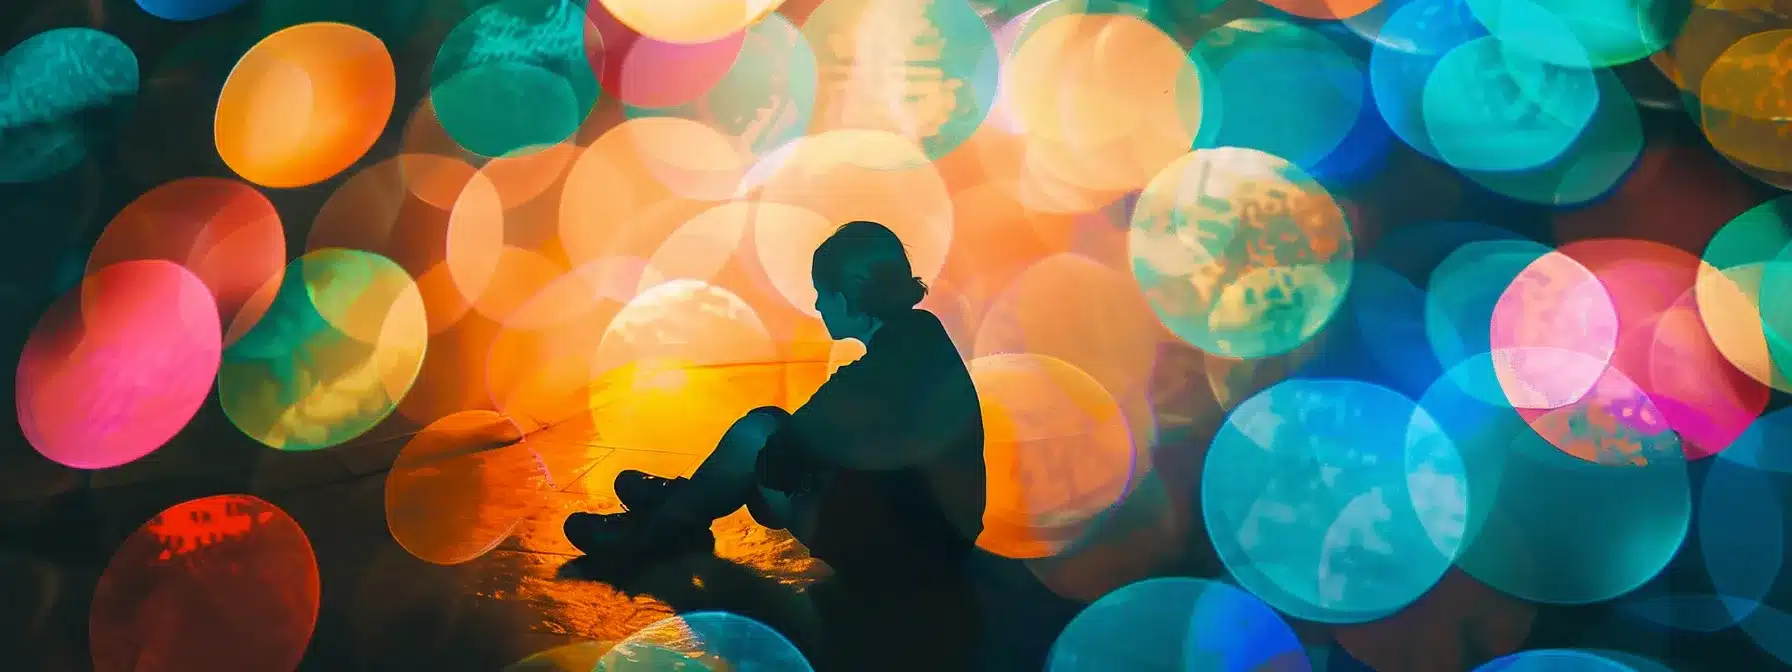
(847, 413)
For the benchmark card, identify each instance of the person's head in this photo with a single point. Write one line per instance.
(862, 276)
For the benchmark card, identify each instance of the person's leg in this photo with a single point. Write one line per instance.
(726, 480)
(678, 515)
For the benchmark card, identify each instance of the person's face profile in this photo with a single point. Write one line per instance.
(832, 307)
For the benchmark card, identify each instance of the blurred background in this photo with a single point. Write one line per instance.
(1401, 335)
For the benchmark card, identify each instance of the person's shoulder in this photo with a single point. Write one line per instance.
(916, 321)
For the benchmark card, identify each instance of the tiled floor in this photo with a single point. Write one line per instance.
(382, 608)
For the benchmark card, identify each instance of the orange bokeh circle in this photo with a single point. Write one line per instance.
(304, 104)
(1058, 451)
(1742, 113)
(460, 486)
(1106, 101)
(618, 201)
(541, 361)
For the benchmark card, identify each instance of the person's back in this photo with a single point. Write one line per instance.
(880, 473)
(899, 437)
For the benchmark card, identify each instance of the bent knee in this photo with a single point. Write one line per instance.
(757, 425)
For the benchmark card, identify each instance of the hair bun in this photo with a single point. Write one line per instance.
(890, 289)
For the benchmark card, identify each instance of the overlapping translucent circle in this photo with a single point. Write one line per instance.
(920, 70)
(1488, 107)
(219, 583)
(224, 231)
(458, 487)
(1702, 395)
(117, 366)
(1741, 533)
(1461, 300)
(1547, 526)
(674, 368)
(1089, 315)
(704, 640)
(766, 97)
(1281, 88)
(643, 71)
(1336, 501)
(58, 83)
(516, 76)
(337, 350)
(1105, 100)
(1732, 283)
(552, 332)
(1553, 331)
(1191, 625)
(1598, 34)
(1616, 423)
(1413, 42)
(1742, 536)
(1591, 166)
(1058, 450)
(304, 104)
(1389, 316)
(1239, 252)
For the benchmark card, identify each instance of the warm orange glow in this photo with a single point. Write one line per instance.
(1324, 10)
(1044, 187)
(1073, 309)
(520, 178)
(785, 238)
(687, 322)
(475, 237)
(520, 275)
(224, 231)
(617, 204)
(1057, 448)
(858, 175)
(460, 486)
(1001, 240)
(528, 175)
(1729, 308)
(689, 158)
(540, 365)
(304, 104)
(698, 249)
(364, 213)
(1741, 113)
(1106, 100)
(665, 405)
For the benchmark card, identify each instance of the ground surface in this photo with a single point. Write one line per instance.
(383, 608)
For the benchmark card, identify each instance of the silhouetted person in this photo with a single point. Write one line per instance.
(880, 474)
